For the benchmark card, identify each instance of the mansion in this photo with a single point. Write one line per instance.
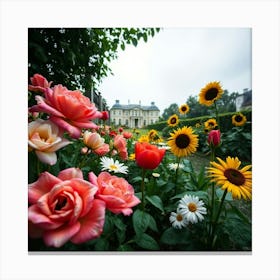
(134, 115)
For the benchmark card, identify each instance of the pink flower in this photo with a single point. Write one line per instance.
(94, 141)
(45, 138)
(127, 134)
(70, 110)
(115, 191)
(105, 115)
(64, 208)
(39, 83)
(120, 146)
(214, 138)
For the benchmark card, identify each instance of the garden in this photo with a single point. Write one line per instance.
(184, 184)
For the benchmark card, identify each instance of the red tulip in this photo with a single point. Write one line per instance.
(214, 137)
(148, 156)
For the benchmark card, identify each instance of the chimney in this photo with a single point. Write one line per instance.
(117, 101)
(245, 90)
(153, 103)
(140, 102)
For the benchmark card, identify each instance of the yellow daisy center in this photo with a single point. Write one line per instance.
(192, 207)
(113, 167)
(211, 93)
(182, 141)
(235, 177)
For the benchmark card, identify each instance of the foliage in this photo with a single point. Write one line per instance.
(79, 57)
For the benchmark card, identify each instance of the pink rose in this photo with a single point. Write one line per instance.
(94, 141)
(120, 146)
(127, 134)
(70, 110)
(45, 138)
(64, 208)
(105, 115)
(115, 191)
(39, 83)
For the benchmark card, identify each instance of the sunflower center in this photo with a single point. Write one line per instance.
(173, 120)
(182, 141)
(192, 207)
(211, 94)
(235, 177)
(179, 217)
(184, 108)
(238, 118)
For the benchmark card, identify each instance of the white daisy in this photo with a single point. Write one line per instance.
(174, 166)
(192, 208)
(177, 219)
(113, 166)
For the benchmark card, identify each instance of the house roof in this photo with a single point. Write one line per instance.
(152, 107)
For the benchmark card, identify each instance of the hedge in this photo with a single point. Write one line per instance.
(225, 120)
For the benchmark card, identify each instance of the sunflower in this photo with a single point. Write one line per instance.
(173, 120)
(238, 119)
(143, 138)
(228, 175)
(153, 135)
(210, 93)
(210, 124)
(184, 109)
(183, 142)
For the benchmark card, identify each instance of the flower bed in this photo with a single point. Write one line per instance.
(93, 187)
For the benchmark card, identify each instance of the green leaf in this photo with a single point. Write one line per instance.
(173, 236)
(102, 244)
(134, 42)
(156, 201)
(147, 242)
(140, 221)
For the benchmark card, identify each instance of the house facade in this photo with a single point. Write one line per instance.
(134, 115)
(244, 100)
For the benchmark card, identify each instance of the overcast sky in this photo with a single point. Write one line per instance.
(177, 63)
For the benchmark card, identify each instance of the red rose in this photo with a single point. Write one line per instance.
(148, 156)
(214, 138)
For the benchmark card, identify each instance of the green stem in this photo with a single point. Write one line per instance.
(143, 188)
(217, 217)
(176, 173)
(217, 115)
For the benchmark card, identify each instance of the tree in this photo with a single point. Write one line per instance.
(78, 57)
(172, 109)
(196, 109)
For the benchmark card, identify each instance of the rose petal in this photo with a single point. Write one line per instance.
(91, 224)
(42, 186)
(73, 131)
(70, 173)
(60, 236)
(48, 157)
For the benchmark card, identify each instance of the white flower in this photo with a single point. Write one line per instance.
(177, 219)
(174, 166)
(192, 208)
(156, 175)
(114, 166)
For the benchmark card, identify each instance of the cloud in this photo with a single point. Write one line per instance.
(178, 62)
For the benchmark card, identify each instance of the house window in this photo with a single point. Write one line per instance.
(120, 121)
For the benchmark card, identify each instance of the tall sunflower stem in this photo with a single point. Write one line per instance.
(217, 219)
(143, 188)
(217, 114)
(176, 173)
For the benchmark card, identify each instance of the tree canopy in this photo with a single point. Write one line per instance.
(79, 57)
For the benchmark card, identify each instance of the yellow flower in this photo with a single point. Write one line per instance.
(153, 135)
(210, 124)
(143, 138)
(132, 156)
(183, 142)
(210, 93)
(239, 119)
(173, 120)
(184, 109)
(228, 175)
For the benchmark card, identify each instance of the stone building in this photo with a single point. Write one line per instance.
(244, 100)
(134, 115)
